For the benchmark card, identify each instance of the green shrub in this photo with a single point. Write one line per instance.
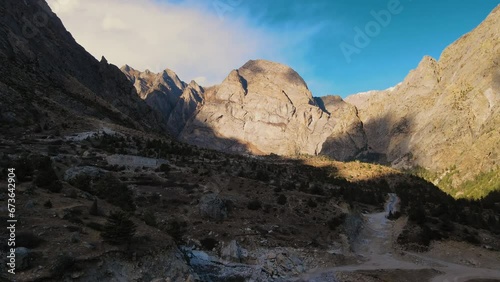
(254, 205)
(96, 226)
(47, 178)
(62, 264)
(336, 221)
(417, 214)
(24, 168)
(209, 244)
(262, 175)
(115, 192)
(317, 190)
(164, 168)
(176, 229)
(28, 240)
(150, 218)
(311, 203)
(119, 229)
(94, 209)
(281, 199)
(82, 182)
(48, 204)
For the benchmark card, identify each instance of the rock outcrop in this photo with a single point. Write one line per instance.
(169, 96)
(261, 108)
(348, 138)
(444, 116)
(186, 106)
(46, 77)
(265, 107)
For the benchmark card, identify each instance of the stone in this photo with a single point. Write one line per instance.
(75, 237)
(232, 251)
(213, 207)
(266, 108)
(22, 258)
(91, 171)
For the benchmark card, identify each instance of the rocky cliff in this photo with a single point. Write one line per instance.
(261, 108)
(175, 100)
(47, 78)
(265, 107)
(444, 116)
(348, 138)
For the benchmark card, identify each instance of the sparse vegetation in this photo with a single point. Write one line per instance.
(28, 240)
(94, 209)
(150, 218)
(82, 182)
(62, 264)
(254, 205)
(48, 204)
(115, 192)
(281, 200)
(119, 229)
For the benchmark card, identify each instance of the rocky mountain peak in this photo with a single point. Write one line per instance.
(169, 76)
(267, 68)
(265, 107)
(445, 113)
(126, 68)
(195, 86)
(281, 81)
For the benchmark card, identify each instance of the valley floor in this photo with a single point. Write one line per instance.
(380, 260)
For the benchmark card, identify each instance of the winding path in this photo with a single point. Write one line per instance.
(374, 246)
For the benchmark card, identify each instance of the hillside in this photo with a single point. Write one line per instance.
(102, 193)
(442, 120)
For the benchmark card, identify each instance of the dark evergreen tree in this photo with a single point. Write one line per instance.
(94, 210)
(119, 229)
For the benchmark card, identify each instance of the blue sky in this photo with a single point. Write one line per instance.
(423, 27)
(204, 40)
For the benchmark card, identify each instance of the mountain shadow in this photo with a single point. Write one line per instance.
(46, 73)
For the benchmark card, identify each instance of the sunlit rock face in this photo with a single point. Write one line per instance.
(265, 107)
(446, 113)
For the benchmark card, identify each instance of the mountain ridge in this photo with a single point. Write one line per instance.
(443, 115)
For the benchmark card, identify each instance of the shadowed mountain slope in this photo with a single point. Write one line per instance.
(444, 116)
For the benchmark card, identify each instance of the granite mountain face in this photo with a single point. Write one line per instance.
(102, 193)
(445, 115)
(175, 100)
(261, 108)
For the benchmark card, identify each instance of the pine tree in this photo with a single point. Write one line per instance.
(119, 229)
(94, 210)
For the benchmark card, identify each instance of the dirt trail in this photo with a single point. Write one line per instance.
(374, 246)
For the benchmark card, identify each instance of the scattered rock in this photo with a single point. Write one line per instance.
(233, 252)
(91, 171)
(22, 258)
(75, 237)
(213, 207)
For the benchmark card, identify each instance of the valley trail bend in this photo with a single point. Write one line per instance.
(375, 249)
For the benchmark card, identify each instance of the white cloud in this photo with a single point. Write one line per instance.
(149, 35)
(63, 6)
(111, 22)
(192, 40)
